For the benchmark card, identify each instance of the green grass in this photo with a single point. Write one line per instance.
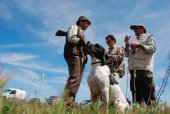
(13, 106)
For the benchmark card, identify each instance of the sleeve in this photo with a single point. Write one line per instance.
(121, 54)
(151, 45)
(72, 35)
(127, 50)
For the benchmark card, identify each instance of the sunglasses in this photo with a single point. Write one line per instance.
(108, 41)
(137, 28)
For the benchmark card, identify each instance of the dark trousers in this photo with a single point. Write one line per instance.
(142, 86)
(76, 67)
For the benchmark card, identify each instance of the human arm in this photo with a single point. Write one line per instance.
(75, 35)
(117, 55)
(126, 40)
(149, 47)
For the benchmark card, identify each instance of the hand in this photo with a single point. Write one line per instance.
(127, 39)
(81, 42)
(107, 55)
(114, 79)
(134, 46)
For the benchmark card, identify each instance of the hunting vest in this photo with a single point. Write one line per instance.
(71, 49)
(140, 60)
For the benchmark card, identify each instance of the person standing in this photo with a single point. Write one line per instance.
(140, 64)
(114, 59)
(75, 56)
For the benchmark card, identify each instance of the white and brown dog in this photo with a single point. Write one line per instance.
(98, 79)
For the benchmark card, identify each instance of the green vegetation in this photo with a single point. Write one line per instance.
(14, 106)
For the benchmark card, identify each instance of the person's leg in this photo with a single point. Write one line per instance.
(73, 81)
(139, 86)
(149, 88)
(132, 85)
(146, 86)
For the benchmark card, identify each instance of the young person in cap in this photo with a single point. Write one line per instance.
(114, 59)
(75, 56)
(140, 65)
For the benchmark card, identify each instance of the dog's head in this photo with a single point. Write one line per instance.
(96, 50)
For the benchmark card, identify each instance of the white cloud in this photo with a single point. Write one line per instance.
(30, 74)
(58, 80)
(52, 17)
(13, 57)
(151, 16)
(26, 61)
(21, 45)
(24, 76)
(50, 14)
(5, 13)
(36, 86)
(50, 39)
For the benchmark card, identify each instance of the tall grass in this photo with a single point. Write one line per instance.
(14, 106)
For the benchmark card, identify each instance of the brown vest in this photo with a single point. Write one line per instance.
(74, 49)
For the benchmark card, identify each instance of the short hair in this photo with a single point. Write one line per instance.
(112, 37)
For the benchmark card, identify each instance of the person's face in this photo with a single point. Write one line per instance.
(84, 25)
(138, 31)
(110, 42)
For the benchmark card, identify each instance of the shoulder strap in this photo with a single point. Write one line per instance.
(148, 38)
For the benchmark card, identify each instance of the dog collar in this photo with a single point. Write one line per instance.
(95, 63)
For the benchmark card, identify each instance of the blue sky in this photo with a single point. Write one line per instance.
(31, 56)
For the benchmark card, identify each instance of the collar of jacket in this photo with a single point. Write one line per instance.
(113, 47)
(140, 36)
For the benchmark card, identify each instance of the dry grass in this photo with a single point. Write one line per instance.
(13, 106)
(3, 81)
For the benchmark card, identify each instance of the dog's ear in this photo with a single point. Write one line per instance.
(88, 46)
(99, 52)
(88, 42)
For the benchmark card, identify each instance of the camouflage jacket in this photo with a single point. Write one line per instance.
(115, 62)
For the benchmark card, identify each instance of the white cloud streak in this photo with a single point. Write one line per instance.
(5, 13)
(21, 45)
(58, 80)
(13, 57)
(52, 17)
(26, 61)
